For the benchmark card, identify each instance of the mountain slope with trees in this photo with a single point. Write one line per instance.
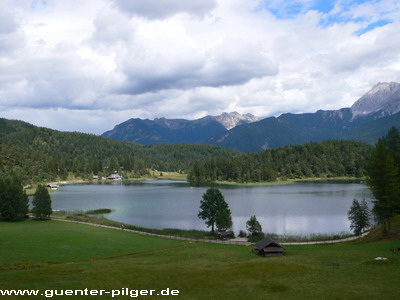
(289, 129)
(326, 159)
(37, 154)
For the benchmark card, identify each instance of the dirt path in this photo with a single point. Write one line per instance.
(237, 241)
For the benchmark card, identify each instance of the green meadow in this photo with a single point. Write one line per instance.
(55, 255)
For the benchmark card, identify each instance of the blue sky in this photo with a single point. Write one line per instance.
(37, 3)
(334, 11)
(372, 26)
(291, 8)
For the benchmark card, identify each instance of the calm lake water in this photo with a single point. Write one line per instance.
(301, 208)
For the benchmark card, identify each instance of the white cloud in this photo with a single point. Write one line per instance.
(185, 67)
(371, 49)
(155, 9)
(87, 121)
(11, 37)
(103, 61)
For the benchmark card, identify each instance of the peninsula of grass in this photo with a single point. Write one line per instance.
(168, 175)
(99, 211)
(159, 175)
(45, 255)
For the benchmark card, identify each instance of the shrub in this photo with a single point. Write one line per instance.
(242, 233)
(256, 237)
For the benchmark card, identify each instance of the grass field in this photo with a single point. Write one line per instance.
(55, 255)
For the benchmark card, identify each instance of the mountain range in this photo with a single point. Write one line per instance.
(366, 120)
(172, 131)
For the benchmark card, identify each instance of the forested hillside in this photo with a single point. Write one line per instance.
(326, 159)
(37, 154)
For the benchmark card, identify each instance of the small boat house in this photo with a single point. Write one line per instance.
(268, 247)
(114, 177)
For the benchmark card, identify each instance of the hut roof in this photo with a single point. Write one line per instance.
(267, 242)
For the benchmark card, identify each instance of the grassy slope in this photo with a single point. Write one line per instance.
(56, 255)
(375, 235)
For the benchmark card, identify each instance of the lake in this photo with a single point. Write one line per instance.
(300, 208)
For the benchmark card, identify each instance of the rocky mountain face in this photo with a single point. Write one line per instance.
(290, 129)
(233, 119)
(367, 119)
(171, 131)
(385, 97)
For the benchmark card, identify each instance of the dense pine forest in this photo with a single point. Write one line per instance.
(35, 154)
(326, 159)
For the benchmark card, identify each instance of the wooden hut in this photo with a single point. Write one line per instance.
(268, 247)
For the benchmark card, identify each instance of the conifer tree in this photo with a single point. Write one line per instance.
(13, 200)
(359, 216)
(41, 203)
(253, 226)
(384, 178)
(393, 145)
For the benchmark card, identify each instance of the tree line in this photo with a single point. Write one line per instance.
(14, 204)
(332, 158)
(35, 154)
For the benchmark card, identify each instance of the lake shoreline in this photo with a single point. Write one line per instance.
(282, 209)
(331, 239)
(291, 181)
(232, 183)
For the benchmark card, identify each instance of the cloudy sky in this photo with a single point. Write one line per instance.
(86, 66)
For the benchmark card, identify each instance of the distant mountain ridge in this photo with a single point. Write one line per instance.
(171, 131)
(369, 118)
(366, 120)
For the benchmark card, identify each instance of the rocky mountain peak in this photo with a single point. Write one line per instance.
(384, 96)
(232, 119)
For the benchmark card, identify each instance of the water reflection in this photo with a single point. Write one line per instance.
(302, 208)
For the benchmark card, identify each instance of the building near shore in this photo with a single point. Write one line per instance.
(268, 247)
(114, 177)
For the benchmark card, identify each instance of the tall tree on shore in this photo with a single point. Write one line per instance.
(41, 203)
(213, 207)
(223, 221)
(384, 178)
(393, 145)
(359, 216)
(13, 200)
